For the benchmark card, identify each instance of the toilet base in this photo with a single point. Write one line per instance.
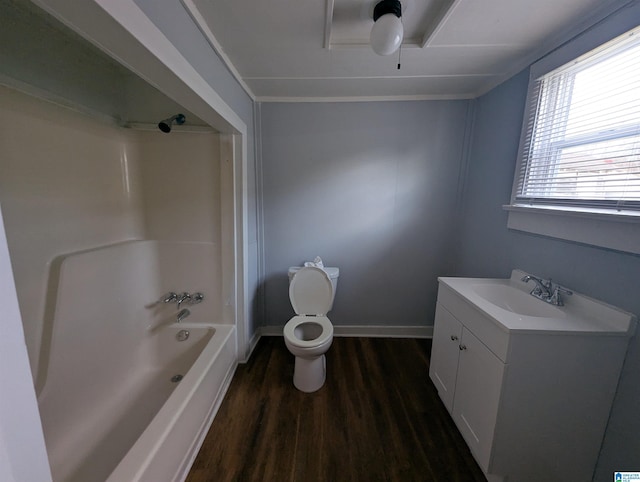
(309, 374)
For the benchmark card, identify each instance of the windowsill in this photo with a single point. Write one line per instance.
(619, 230)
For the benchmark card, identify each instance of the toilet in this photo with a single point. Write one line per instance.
(309, 334)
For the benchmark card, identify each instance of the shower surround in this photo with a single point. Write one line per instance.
(74, 187)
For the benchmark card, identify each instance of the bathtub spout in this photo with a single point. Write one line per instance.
(182, 314)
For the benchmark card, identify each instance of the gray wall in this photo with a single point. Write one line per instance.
(370, 187)
(489, 249)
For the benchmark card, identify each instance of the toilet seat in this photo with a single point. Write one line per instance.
(325, 335)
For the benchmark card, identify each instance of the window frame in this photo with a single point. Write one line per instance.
(607, 225)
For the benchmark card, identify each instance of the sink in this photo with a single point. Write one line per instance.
(509, 304)
(516, 301)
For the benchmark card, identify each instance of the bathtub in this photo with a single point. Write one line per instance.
(149, 428)
(110, 410)
(168, 445)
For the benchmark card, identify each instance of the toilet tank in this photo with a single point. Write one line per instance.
(333, 276)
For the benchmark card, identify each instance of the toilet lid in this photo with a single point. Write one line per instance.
(311, 291)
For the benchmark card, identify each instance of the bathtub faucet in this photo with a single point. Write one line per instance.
(178, 299)
(182, 314)
(191, 299)
(169, 297)
(196, 298)
(182, 297)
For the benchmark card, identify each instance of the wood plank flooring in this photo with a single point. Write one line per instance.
(377, 418)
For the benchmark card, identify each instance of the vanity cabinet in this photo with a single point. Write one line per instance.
(531, 404)
(468, 377)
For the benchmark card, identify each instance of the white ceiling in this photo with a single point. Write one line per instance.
(318, 50)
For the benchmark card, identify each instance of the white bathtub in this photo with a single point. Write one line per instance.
(109, 409)
(147, 428)
(167, 447)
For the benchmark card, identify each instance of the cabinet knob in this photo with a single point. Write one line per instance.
(462, 347)
(454, 337)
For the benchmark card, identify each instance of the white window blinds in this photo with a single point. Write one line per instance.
(581, 145)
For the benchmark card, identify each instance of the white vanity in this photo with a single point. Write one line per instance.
(528, 384)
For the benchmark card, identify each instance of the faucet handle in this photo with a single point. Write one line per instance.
(556, 297)
(182, 297)
(196, 298)
(168, 298)
(542, 289)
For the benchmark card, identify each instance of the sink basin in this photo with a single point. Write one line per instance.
(516, 301)
(508, 304)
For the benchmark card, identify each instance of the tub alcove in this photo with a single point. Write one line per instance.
(125, 397)
(104, 214)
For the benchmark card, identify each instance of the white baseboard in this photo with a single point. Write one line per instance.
(371, 331)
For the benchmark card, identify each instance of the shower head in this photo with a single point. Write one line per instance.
(165, 125)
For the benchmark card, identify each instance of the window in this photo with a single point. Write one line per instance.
(578, 175)
(581, 146)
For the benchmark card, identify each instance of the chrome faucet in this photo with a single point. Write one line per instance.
(556, 297)
(196, 298)
(182, 297)
(542, 289)
(182, 314)
(178, 299)
(546, 290)
(169, 297)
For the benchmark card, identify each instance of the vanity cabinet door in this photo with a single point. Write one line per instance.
(477, 396)
(443, 366)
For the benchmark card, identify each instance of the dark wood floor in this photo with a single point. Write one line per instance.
(377, 418)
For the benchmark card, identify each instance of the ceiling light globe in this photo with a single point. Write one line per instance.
(386, 34)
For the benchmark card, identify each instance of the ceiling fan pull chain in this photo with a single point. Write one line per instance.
(400, 48)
